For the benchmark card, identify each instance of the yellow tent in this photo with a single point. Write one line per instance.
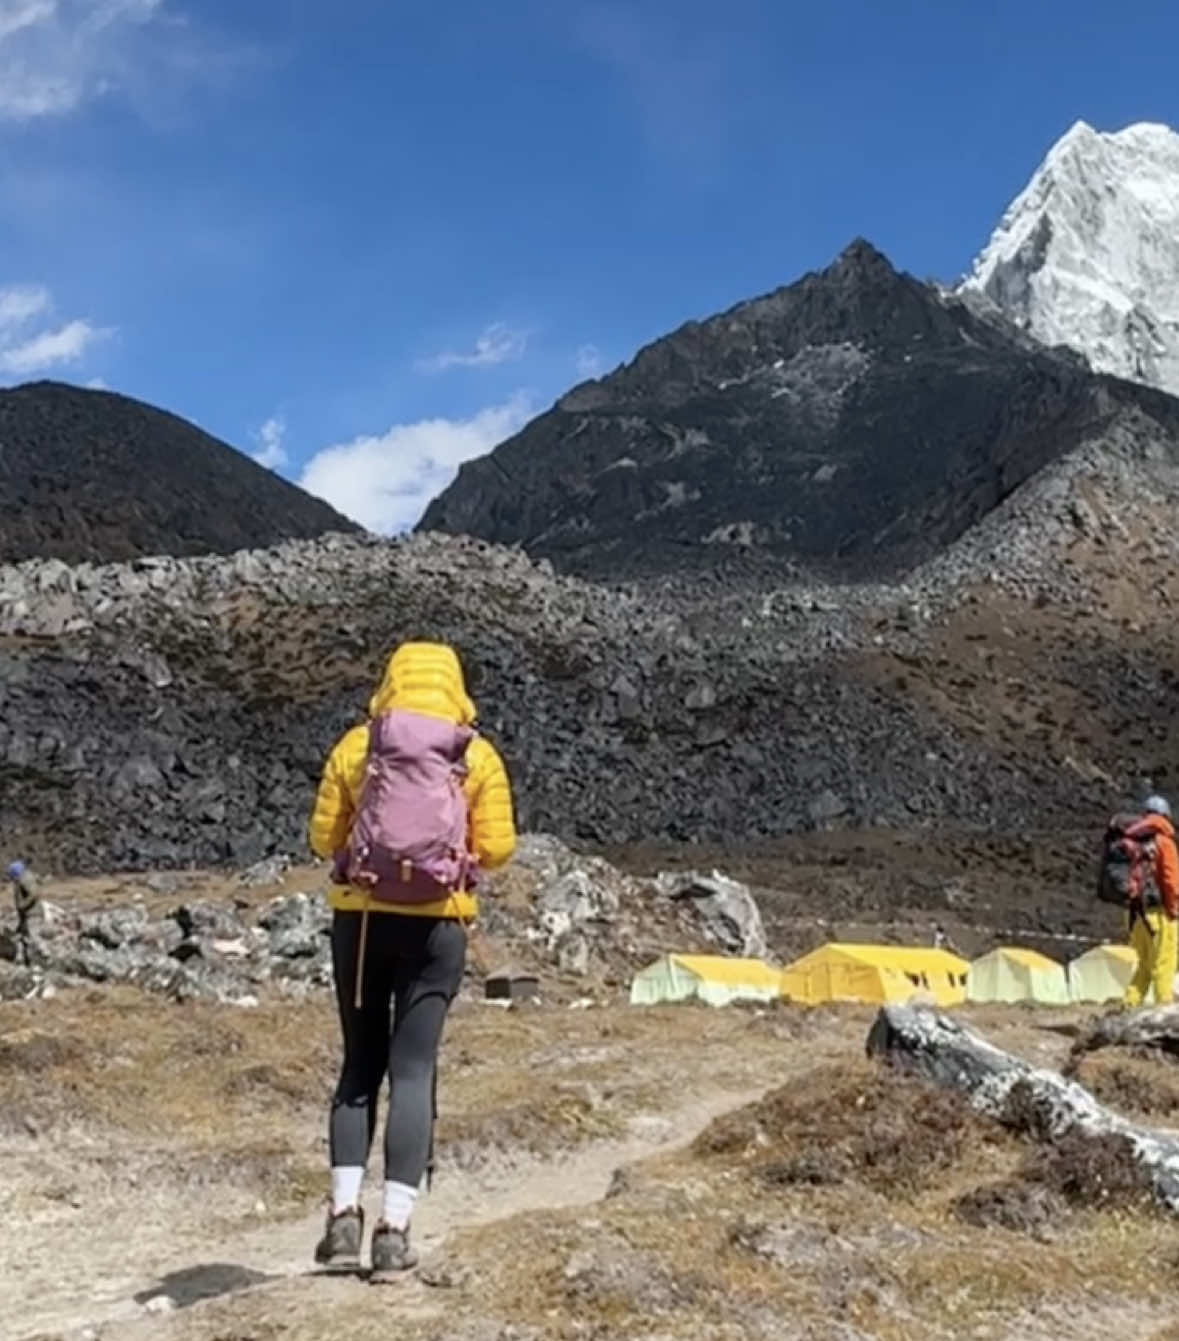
(1012, 974)
(1103, 973)
(875, 974)
(712, 978)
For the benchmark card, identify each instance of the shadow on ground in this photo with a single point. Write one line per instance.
(192, 1285)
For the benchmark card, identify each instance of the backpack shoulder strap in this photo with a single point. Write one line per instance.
(1141, 831)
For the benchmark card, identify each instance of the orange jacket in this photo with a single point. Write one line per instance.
(425, 678)
(1166, 860)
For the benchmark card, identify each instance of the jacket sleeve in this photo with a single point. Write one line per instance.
(1166, 874)
(489, 795)
(331, 818)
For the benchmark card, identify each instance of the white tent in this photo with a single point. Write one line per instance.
(712, 978)
(1102, 974)
(1011, 973)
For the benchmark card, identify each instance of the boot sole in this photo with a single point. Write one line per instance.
(391, 1275)
(339, 1266)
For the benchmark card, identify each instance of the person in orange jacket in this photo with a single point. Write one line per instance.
(1154, 930)
(397, 971)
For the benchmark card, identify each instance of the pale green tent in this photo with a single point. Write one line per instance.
(712, 978)
(1103, 973)
(1011, 974)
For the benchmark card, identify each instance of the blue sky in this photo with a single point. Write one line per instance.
(369, 239)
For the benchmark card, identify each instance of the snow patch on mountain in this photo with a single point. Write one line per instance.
(1088, 254)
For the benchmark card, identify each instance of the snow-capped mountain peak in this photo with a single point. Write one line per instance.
(1088, 254)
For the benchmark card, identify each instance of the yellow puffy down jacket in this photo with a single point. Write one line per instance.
(425, 678)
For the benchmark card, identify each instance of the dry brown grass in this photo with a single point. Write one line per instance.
(186, 886)
(829, 1208)
(135, 1126)
(1140, 1087)
(116, 1060)
(831, 1202)
(853, 1123)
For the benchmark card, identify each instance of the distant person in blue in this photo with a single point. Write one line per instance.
(24, 895)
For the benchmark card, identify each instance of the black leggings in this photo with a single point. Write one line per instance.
(413, 967)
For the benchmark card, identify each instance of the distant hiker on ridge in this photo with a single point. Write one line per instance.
(24, 897)
(410, 806)
(1140, 872)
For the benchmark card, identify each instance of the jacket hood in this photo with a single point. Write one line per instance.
(1155, 824)
(425, 678)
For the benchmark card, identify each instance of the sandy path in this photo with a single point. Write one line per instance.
(84, 1303)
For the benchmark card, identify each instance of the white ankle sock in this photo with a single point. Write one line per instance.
(399, 1204)
(346, 1181)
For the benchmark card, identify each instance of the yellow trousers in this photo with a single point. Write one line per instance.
(1156, 942)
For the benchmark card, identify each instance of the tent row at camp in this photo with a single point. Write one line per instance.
(877, 974)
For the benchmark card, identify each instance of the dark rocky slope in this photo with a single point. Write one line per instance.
(90, 475)
(178, 711)
(854, 424)
(987, 709)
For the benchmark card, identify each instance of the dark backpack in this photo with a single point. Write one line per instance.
(1127, 861)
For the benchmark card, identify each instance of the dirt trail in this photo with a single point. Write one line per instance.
(82, 1305)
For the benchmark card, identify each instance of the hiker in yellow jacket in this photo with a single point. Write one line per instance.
(398, 966)
(1154, 915)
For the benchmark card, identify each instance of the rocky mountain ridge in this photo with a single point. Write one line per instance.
(853, 424)
(175, 712)
(1087, 255)
(988, 646)
(93, 476)
(178, 710)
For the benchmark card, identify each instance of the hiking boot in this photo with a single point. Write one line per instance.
(392, 1255)
(339, 1249)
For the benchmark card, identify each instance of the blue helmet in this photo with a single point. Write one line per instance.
(16, 870)
(1157, 805)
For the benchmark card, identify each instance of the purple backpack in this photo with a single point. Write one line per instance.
(409, 839)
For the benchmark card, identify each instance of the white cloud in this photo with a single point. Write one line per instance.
(16, 15)
(45, 350)
(21, 303)
(27, 344)
(96, 384)
(105, 13)
(26, 95)
(271, 453)
(385, 482)
(498, 343)
(57, 55)
(588, 361)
